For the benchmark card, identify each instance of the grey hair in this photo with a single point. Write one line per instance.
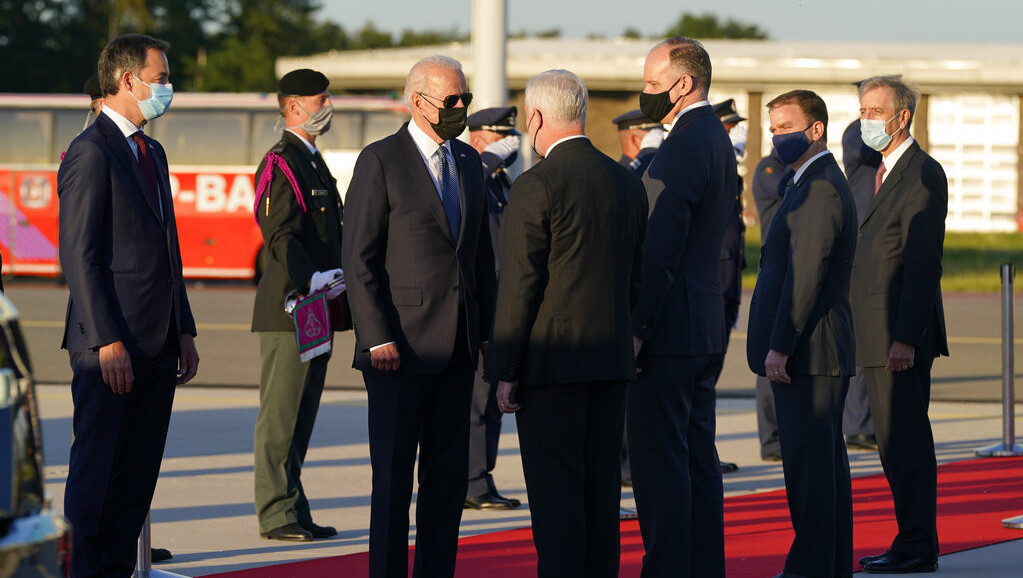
(417, 78)
(560, 94)
(904, 95)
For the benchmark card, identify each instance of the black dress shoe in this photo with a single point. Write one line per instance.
(320, 531)
(157, 555)
(729, 467)
(491, 501)
(861, 442)
(897, 563)
(868, 559)
(289, 533)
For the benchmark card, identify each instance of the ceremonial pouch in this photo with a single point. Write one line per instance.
(313, 331)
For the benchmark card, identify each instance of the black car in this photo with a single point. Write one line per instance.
(34, 539)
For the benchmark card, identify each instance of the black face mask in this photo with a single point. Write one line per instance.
(657, 106)
(450, 122)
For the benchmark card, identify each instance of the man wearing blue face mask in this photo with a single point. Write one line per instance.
(898, 315)
(299, 212)
(800, 334)
(130, 329)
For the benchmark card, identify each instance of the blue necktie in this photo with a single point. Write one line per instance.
(449, 192)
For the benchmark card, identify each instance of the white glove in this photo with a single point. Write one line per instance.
(320, 279)
(738, 136)
(504, 147)
(652, 139)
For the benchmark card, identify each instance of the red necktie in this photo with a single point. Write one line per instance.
(879, 178)
(148, 166)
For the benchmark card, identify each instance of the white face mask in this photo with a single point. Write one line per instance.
(318, 122)
(874, 134)
(160, 97)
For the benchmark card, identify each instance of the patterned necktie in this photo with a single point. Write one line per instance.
(788, 187)
(449, 191)
(879, 178)
(148, 166)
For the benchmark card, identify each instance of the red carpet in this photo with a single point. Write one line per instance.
(973, 497)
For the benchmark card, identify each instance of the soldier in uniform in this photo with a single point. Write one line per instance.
(640, 138)
(299, 211)
(492, 133)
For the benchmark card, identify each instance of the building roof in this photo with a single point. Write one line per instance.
(617, 64)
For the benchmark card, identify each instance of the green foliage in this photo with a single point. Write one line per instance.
(632, 32)
(709, 26)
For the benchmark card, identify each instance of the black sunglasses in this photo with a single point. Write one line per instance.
(451, 100)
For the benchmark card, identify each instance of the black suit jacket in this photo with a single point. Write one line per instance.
(896, 282)
(119, 256)
(403, 269)
(800, 306)
(691, 186)
(297, 244)
(571, 251)
(860, 162)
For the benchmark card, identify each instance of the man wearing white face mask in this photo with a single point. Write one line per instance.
(299, 211)
(898, 317)
(130, 330)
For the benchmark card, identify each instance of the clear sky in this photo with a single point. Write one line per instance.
(980, 21)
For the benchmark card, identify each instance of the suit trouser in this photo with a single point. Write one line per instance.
(115, 459)
(289, 397)
(899, 403)
(856, 419)
(816, 474)
(676, 474)
(570, 435)
(429, 412)
(484, 433)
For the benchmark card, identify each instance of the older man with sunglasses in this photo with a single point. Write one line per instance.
(420, 275)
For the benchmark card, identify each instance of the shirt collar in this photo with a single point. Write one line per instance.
(559, 141)
(127, 127)
(308, 145)
(426, 145)
(806, 165)
(693, 106)
(890, 160)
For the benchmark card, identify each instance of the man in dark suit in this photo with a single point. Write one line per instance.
(559, 352)
(678, 323)
(492, 133)
(898, 315)
(860, 163)
(801, 336)
(302, 235)
(769, 180)
(129, 330)
(421, 284)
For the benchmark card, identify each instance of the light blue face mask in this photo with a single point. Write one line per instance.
(160, 97)
(873, 134)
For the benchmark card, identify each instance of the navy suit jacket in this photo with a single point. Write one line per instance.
(403, 269)
(691, 184)
(119, 256)
(800, 306)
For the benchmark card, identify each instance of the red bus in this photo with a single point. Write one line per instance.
(214, 142)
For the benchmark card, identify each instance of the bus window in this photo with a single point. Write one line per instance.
(345, 132)
(66, 126)
(203, 137)
(263, 135)
(26, 136)
(380, 124)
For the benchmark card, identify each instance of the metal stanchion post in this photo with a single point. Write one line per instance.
(1008, 447)
(144, 562)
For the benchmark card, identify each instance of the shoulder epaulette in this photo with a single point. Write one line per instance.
(273, 159)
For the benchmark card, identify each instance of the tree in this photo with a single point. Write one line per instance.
(709, 26)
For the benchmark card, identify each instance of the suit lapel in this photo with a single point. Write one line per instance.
(893, 180)
(460, 160)
(423, 182)
(122, 152)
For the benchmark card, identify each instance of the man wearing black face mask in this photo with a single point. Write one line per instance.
(299, 212)
(801, 338)
(421, 283)
(678, 324)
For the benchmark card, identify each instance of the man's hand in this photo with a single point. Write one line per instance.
(774, 363)
(115, 363)
(506, 396)
(385, 358)
(188, 363)
(900, 356)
